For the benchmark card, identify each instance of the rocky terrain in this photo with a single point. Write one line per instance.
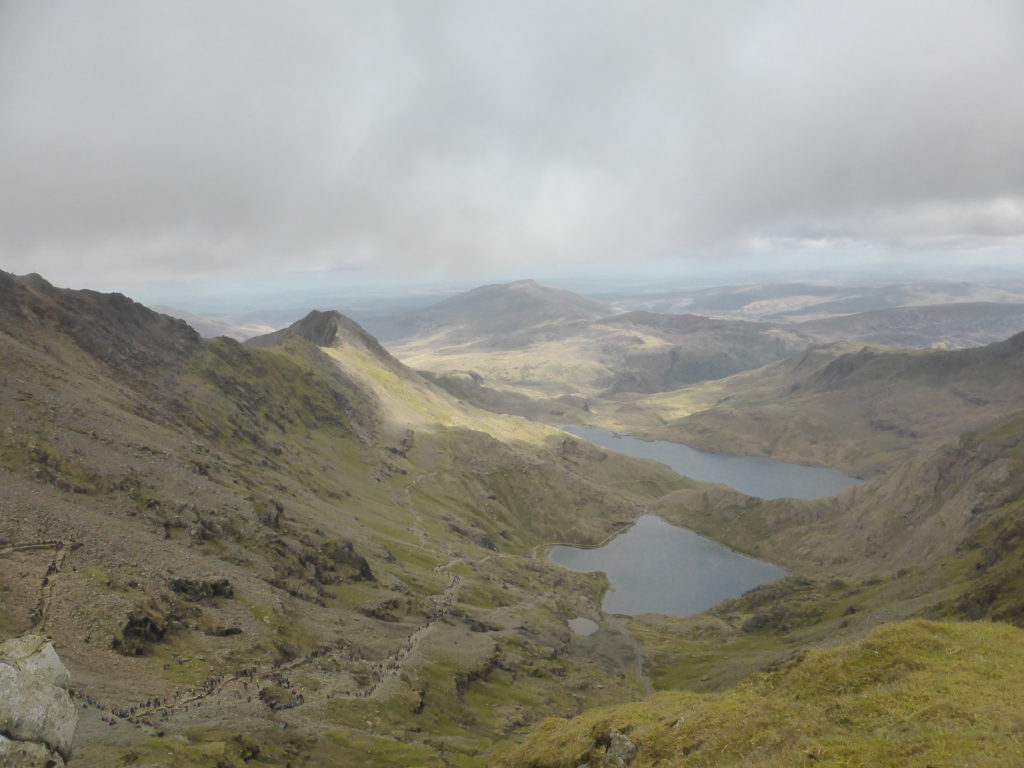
(301, 552)
(37, 713)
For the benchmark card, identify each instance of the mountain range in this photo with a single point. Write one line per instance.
(176, 510)
(300, 551)
(526, 339)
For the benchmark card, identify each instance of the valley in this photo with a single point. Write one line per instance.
(299, 550)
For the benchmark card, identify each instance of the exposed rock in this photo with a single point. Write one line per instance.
(143, 626)
(341, 553)
(219, 631)
(621, 751)
(37, 716)
(383, 610)
(198, 589)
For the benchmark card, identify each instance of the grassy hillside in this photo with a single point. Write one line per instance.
(557, 344)
(496, 316)
(917, 693)
(317, 557)
(176, 510)
(861, 409)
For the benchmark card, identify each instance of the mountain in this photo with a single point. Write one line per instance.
(519, 348)
(496, 316)
(300, 551)
(938, 537)
(951, 326)
(855, 407)
(529, 340)
(226, 539)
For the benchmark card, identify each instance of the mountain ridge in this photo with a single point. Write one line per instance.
(172, 517)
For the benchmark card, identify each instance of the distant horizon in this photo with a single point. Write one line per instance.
(365, 289)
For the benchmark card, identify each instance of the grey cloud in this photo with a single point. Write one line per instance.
(197, 138)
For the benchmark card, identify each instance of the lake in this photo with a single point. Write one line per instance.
(659, 568)
(764, 478)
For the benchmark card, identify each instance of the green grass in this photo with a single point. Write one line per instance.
(912, 694)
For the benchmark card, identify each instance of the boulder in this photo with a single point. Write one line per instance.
(37, 714)
(621, 750)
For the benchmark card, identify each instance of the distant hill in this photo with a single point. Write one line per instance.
(952, 326)
(495, 316)
(527, 340)
(843, 405)
(799, 301)
(532, 340)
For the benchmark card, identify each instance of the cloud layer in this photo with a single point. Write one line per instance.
(194, 139)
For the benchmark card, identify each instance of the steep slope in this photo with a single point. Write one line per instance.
(939, 537)
(226, 539)
(862, 409)
(917, 693)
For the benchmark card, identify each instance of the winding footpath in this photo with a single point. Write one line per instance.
(245, 683)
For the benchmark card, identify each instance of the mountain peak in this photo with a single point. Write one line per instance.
(109, 326)
(330, 328)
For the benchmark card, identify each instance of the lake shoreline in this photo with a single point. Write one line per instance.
(657, 567)
(755, 476)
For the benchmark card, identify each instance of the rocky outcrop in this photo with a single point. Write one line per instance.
(621, 750)
(37, 715)
(343, 558)
(200, 589)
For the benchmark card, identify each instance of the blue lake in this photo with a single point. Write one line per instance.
(660, 568)
(764, 478)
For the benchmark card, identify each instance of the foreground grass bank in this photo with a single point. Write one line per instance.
(911, 694)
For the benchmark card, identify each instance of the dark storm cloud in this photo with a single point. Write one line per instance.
(151, 138)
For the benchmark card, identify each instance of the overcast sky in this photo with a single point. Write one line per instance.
(147, 141)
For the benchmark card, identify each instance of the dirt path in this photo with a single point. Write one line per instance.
(245, 684)
(47, 581)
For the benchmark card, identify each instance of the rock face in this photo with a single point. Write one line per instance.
(37, 715)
